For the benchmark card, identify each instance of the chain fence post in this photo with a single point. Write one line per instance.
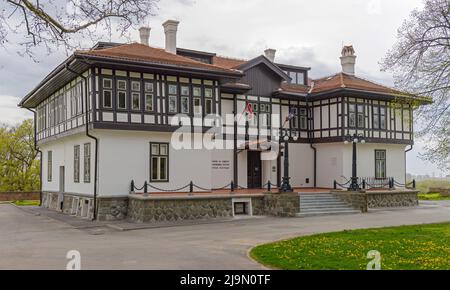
(132, 187)
(191, 187)
(334, 184)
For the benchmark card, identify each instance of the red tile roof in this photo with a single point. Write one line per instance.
(141, 52)
(226, 62)
(294, 88)
(345, 81)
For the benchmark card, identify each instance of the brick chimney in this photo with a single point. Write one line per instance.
(170, 29)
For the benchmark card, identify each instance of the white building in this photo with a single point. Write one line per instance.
(107, 116)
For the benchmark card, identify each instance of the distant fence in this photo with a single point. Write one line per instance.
(13, 196)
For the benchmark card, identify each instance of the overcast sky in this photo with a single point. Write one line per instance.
(304, 32)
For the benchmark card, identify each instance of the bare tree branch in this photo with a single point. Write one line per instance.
(420, 61)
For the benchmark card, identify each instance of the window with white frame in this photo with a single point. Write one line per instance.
(76, 163)
(380, 163)
(135, 95)
(49, 166)
(197, 93)
(148, 90)
(107, 93)
(87, 163)
(379, 117)
(122, 94)
(264, 115)
(159, 162)
(173, 98)
(208, 101)
(303, 115)
(352, 115)
(360, 116)
(185, 99)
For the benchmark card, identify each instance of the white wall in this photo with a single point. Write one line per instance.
(63, 155)
(301, 165)
(335, 161)
(125, 156)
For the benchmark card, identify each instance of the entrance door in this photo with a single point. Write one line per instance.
(61, 188)
(254, 176)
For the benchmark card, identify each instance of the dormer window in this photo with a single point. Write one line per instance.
(297, 78)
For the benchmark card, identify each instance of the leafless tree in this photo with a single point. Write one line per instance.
(68, 23)
(420, 61)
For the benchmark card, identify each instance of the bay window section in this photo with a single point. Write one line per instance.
(121, 94)
(159, 162)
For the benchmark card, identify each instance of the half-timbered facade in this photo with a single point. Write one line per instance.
(114, 113)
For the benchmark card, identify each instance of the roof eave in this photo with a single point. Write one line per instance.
(187, 69)
(390, 96)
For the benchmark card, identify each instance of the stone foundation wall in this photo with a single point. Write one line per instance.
(379, 199)
(112, 208)
(176, 209)
(358, 200)
(72, 204)
(258, 205)
(282, 204)
(50, 200)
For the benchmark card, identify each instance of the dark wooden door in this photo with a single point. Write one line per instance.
(254, 169)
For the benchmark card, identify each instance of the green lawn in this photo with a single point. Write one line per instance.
(406, 248)
(26, 202)
(433, 196)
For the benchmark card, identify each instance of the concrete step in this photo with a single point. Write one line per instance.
(319, 206)
(331, 201)
(326, 209)
(323, 204)
(324, 213)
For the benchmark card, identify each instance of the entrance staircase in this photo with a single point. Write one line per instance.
(316, 204)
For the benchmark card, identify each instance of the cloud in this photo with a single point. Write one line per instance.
(10, 113)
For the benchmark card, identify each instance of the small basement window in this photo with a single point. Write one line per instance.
(240, 208)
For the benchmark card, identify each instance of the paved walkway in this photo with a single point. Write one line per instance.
(40, 242)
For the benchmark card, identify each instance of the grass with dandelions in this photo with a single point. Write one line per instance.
(402, 248)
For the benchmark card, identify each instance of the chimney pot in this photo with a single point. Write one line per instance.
(348, 60)
(170, 29)
(144, 33)
(270, 54)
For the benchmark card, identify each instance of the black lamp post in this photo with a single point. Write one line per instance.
(355, 139)
(285, 184)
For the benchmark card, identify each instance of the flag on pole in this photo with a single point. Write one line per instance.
(248, 110)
